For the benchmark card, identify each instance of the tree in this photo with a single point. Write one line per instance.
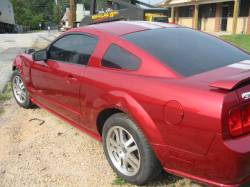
(32, 12)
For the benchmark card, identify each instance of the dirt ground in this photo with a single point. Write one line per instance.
(38, 149)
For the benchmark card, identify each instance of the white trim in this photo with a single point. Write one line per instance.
(143, 24)
(188, 2)
(245, 64)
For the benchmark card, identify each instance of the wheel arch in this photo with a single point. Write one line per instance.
(103, 116)
(17, 64)
(125, 103)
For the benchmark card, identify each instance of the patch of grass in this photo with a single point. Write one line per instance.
(6, 94)
(243, 41)
(119, 181)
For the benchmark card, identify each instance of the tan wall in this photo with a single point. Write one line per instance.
(185, 21)
(208, 24)
(241, 25)
(248, 24)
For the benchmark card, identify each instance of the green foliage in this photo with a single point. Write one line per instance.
(6, 94)
(242, 41)
(32, 12)
(119, 181)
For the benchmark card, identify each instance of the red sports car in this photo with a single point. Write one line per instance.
(157, 95)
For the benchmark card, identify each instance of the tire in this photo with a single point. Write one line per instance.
(132, 171)
(19, 88)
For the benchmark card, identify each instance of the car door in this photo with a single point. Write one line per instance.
(57, 80)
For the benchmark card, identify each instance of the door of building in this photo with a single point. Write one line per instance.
(224, 18)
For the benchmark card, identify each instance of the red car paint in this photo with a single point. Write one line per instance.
(184, 119)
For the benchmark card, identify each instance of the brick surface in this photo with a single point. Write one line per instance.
(248, 22)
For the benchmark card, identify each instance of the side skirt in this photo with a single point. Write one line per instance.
(87, 131)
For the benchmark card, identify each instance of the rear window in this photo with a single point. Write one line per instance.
(186, 51)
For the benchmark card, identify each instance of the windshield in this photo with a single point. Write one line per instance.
(186, 51)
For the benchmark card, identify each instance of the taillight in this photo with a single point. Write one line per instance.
(239, 120)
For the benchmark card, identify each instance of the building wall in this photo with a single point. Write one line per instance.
(248, 25)
(208, 24)
(185, 21)
(7, 13)
(241, 25)
(212, 23)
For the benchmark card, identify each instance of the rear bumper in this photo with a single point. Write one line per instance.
(227, 163)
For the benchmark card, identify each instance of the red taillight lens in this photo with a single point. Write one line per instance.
(239, 120)
(246, 118)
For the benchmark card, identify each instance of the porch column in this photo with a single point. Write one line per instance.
(217, 18)
(176, 15)
(248, 22)
(172, 15)
(236, 15)
(196, 16)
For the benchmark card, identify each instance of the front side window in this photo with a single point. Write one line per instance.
(74, 48)
(119, 58)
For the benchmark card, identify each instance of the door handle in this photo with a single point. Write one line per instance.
(71, 79)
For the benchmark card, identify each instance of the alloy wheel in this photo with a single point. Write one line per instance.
(19, 89)
(123, 151)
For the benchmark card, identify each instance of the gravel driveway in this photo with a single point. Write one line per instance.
(38, 149)
(13, 44)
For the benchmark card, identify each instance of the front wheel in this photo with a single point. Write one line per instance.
(128, 151)
(19, 90)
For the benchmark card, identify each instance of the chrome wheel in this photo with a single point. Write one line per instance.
(123, 151)
(19, 89)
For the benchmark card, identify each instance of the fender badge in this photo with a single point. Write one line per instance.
(245, 95)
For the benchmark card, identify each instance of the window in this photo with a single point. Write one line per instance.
(212, 10)
(186, 51)
(119, 58)
(74, 48)
(186, 11)
(244, 8)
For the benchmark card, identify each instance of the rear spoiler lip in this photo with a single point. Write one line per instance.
(231, 82)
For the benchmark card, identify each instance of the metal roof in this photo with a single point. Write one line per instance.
(173, 3)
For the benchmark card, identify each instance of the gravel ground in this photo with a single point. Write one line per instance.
(13, 44)
(38, 149)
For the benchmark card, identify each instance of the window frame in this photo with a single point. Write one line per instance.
(69, 34)
(125, 49)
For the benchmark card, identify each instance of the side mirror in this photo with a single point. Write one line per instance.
(40, 55)
(29, 51)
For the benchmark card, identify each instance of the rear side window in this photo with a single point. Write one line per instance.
(186, 51)
(74, 48)
(119, 58)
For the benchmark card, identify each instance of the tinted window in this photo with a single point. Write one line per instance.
(186, 51)
(119, 58)
(74, 48)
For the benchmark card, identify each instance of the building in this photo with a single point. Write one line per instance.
(80, 14)
(231, 16)
(7, 20)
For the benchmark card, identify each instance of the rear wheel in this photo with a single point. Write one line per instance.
(19, 90)
(128, 151)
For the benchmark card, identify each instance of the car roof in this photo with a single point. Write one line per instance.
(125, 27)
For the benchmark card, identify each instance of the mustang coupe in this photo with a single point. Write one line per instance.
(157, 96)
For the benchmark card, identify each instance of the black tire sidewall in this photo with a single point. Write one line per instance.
(149, 163)
(27, 102)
